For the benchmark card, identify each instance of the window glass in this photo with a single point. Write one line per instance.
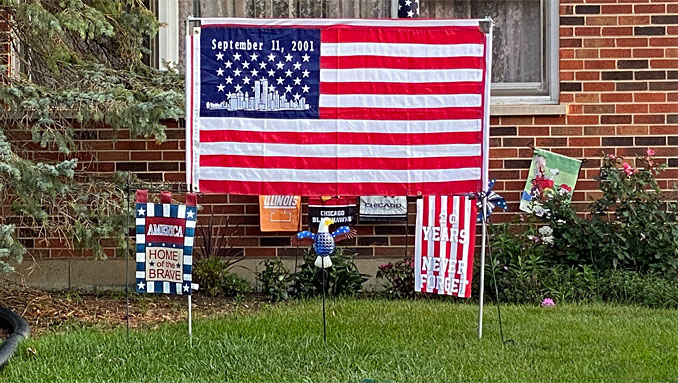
(518, 33)
(524, 64)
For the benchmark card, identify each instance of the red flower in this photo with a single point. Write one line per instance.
(542, 183)
(628, 169)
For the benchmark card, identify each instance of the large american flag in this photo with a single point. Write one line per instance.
(337, 107)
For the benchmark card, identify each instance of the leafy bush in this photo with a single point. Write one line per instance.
(400, 278)
(214, 278)
(633, 224)
(649, 290)
(343, 278)
(275, 279)
(626, 252)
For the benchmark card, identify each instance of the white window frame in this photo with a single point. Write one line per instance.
(513, 93)
(551, 73)
(167, 43)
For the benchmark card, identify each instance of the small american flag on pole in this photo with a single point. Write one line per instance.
(408, 8)
(337, 107)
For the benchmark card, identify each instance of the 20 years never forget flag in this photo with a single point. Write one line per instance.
(337, 107)
(444, 244)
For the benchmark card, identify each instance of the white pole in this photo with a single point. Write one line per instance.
(486, 167)
(190, 322)
(483, 200)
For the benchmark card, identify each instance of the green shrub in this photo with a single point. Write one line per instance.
(343, 278)
(400, 278)
(275, 279)
(632, 226)
(649, 290)
(233, 285)
(215, 279)
(626, 252)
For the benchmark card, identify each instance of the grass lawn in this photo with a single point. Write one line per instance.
(399, 341)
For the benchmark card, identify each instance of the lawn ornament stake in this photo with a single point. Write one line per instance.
(323, 242)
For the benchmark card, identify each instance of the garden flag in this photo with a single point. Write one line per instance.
(164, 248)
(444, 244)
(337, 107)
(340, 209)
(280, 212)
(382, 209)
(549, 173)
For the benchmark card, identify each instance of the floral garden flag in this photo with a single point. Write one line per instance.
(550, 173)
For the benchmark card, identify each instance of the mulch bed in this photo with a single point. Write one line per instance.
(49, 311)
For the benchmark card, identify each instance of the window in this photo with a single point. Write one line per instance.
(525, 40)
(524, 46)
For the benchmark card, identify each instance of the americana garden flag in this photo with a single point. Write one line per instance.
(164, 244)
(337, 107)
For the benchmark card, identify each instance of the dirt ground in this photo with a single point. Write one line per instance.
(55, 311)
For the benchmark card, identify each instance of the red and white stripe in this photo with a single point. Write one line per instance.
(401, 106)
(434, 211)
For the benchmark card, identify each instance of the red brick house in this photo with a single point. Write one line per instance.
(577, 77)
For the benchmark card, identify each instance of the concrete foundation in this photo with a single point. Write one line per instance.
(90, 274)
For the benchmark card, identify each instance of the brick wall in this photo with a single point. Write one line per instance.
(619, 82)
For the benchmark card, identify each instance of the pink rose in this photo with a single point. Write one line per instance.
(611, 156)
(628, 169)
(650, 152)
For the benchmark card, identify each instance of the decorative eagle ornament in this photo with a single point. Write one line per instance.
(323, 242)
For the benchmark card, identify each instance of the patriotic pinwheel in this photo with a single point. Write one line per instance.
(493, 200)
(323, 242)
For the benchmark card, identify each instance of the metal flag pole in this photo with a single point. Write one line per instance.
(127, 191)
(483, 201)
(487, 26)
(190, 322)
(322, 260)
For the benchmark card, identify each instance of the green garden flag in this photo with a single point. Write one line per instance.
(550, 173)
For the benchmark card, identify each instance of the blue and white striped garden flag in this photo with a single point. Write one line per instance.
(164, 248)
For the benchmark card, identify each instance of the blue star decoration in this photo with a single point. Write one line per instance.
(493, 200)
